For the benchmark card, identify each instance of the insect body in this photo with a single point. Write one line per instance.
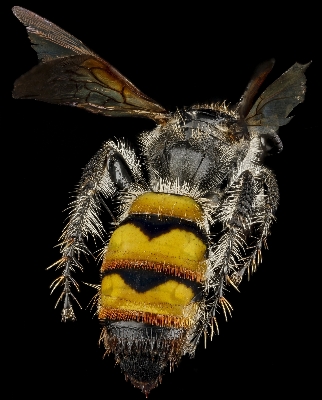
(163, 269)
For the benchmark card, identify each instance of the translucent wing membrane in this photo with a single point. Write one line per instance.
(70, 73)
(48, 40)
(258, 78)
(275, 104)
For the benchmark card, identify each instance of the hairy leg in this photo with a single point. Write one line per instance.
(106, 173)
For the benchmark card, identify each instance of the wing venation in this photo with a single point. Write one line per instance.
(275, 104)
(70, 73)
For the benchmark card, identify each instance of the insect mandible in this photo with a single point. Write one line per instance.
(163, 270)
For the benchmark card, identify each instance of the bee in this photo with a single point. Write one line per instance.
(189, 216)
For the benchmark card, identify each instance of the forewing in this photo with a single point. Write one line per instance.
(48, 40)
(275, 104)
(70, 73)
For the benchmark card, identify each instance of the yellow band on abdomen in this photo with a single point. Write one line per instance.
(178, 247)
(169, 298)
(161, 234)
(168, 205)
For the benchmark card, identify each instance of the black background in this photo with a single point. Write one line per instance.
(179, 56)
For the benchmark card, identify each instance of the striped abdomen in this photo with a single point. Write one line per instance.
(155, 262)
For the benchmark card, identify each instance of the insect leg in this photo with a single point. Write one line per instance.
(235, 213)
(102, 177)
(266, 203)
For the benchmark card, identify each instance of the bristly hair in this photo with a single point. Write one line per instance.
(222, 107)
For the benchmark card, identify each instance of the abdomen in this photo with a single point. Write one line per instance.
(155, 262)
